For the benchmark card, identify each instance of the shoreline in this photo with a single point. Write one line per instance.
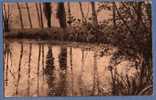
(58, 34)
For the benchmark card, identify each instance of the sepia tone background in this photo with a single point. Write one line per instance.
(107, 55)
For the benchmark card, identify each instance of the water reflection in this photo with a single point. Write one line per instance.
(29, 68)
(63, 67)
(56, 87)
(19, 69)
(38, 69)
(49, 72)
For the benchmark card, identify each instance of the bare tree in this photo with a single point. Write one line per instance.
(69, 14)
(41, 15)
(82, 13)
(47, 12)
(38, 14)
(114, 15)
(20, 15)
(61, 14)
(94, 15)
(28, 11)
(6, 15)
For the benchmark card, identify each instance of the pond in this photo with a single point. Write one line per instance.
(34, 68)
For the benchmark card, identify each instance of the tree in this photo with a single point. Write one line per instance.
(61, 15)
(41, 17)
(47, 13)
(82, 13)
(29, 16)
(20, 15)
(69, 14)
(38, 14)
(114, 15)
(6, 18)
(94, 15)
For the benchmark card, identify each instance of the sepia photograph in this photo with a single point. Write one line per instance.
(86, 48)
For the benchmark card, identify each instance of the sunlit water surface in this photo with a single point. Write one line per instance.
(48, 69)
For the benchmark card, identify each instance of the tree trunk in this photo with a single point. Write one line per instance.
(20, 15)
(94, 15)
(114, 15)
(38, 14)
(41, 17)
(28, 11)
(69, 14)
(47, 13)
(82, 13)
(61, 15)
(6, 18)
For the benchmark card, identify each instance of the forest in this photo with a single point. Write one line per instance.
(122, 25)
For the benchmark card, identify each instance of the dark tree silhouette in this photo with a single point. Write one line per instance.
(61, 15)
(47, 12)
(41, 15)
(69, 14)
(94, 15)
(82, 12)
(6, 18)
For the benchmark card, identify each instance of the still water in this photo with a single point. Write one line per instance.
(54, 69)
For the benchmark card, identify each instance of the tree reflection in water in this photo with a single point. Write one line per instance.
(56, 88)
(49, 69)
(63, 67)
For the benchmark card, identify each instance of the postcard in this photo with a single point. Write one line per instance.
(91, 48)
